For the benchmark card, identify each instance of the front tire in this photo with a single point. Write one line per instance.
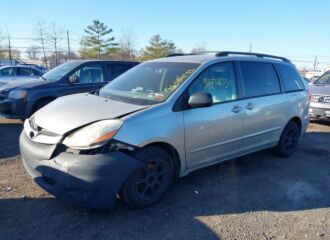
(289, 140)
(148, 184)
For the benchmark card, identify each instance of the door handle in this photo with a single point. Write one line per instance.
(237, 109)
(249, 106)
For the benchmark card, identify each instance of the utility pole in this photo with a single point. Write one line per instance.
(67, 36)
(250, 47)
(315, 63)
(9, 46)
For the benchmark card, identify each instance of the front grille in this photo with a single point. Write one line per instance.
(320, 99)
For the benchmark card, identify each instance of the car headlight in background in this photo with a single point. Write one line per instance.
(93, 135)
(17, 94)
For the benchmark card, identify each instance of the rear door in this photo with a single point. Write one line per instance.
(25, 72)
(265, 106)
(116, 69)
(214, 133)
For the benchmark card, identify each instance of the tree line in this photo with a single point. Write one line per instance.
(52, 45)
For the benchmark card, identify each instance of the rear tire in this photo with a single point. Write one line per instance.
(289, 140)
(148, 184)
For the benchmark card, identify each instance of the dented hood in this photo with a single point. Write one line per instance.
(70, 112)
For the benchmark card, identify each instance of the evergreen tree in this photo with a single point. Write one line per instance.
(96, 44)
(157, 48)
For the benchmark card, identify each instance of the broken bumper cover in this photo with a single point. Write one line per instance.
(87, 180)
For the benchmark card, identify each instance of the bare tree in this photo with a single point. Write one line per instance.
(198, 49)
(2, 50)
(32, 52)
(55, 36)
(15, 53)
(83, 50)
(9, 45)
(40, 31)
(127, 44)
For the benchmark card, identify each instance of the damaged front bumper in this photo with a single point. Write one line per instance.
(87, 180)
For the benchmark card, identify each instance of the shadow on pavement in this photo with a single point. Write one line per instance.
(257, 182)
(9, 135)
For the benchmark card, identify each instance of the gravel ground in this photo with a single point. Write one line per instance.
(255, 197)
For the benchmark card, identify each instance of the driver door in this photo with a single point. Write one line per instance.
(214, 133)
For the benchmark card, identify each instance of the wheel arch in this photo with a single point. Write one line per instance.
(42, 99)
(298, 121)
(170, 149)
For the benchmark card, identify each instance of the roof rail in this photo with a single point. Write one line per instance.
(179, 54)
(260, 55)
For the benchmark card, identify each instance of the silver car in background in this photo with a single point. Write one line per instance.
(160, 120)
(19, 73)
(320, 97)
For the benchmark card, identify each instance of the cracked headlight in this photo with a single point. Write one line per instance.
(93, 135)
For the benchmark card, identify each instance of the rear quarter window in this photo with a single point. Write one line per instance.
(260, 79)
(291, 78)
(118, 69)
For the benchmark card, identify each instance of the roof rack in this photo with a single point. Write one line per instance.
(260, 55)
(179, 54)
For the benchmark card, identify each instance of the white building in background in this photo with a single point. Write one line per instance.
(313, 74)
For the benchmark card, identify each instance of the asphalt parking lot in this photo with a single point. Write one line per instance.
(259, 196)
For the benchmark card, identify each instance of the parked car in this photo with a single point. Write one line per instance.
(42, 68)
(6, 62)
(161, 120)
(307, 81)
(18, 72)
(20, 99)
(320, 97)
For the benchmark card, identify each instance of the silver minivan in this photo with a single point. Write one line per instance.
(161, 120)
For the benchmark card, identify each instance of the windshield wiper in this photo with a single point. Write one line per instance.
(43, 77)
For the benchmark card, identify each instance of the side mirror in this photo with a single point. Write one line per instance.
(200, 99)
(73, 79)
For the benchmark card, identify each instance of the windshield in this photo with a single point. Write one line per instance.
(324, 79)
(60, 71)
(148, 83)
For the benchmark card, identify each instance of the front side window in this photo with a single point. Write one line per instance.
(219, 81)
(89, 74)
(60, 71)
(7, 72)
(25, 72)
(291, 79)
(324, 79)
(260, 79)
(149, 83)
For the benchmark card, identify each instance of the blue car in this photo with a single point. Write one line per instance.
(19, 99)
